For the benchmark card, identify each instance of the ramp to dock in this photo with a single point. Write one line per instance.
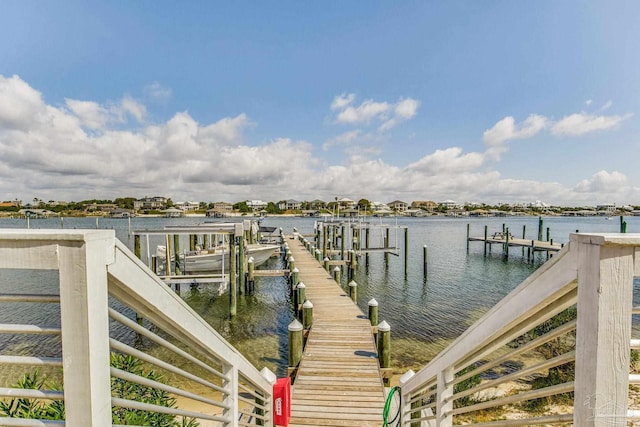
(338, 382)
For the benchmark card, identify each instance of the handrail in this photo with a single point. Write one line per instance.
(594, 272)
(93, 266)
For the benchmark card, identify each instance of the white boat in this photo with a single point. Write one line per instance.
(216, 259)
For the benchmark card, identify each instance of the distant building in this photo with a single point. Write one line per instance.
(427, 205)
(187, 206)
(398, 206)
(146, 203)
(290, 205)
(100, 207)
(609, 207)
(346, 203)
(450, 204)
(256, 205)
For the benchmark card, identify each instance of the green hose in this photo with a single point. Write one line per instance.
(387, 407)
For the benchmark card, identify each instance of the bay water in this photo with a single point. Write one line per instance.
(425, 313)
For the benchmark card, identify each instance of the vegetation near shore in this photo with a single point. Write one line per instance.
(55, 410)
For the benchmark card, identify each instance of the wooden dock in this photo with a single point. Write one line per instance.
(338, 381)
(536, 245)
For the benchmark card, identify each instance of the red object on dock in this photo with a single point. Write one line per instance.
(282, 402)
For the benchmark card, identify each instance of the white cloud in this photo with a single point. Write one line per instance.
(45, 152)
(91, 114)
(132, 107)
(606, 105)
(581, 123)
(341, 101)
(603, 182)
(157, 92)
(372, 111)
(448, 161)
(364, 113)
(20, 104)
(507, 130)
(588, 102)
(342, 139)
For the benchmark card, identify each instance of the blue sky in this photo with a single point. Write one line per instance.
(478, 101)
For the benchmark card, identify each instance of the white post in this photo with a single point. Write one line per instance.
(84, 319)
(605, 294)
(444, 404)
(231, 400)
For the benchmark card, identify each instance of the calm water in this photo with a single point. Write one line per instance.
(424, 314)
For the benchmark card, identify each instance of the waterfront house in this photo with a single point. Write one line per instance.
(398, 206)
(427, 205)
(290, 205)
(150, 203)
(187, 206)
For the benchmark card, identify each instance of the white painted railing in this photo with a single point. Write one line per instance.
(111, 304)
(572, 318)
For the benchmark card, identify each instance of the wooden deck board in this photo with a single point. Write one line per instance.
(338, 382)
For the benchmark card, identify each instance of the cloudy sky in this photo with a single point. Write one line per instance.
(483, 101)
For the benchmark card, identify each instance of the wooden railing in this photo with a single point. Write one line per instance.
(556, 350)
(114, 315)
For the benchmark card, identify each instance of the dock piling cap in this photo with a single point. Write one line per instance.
(295, 326)
(250, 260)
(268, 375)
(301, 285)
(406, 377)
(353, 284)
(295, 270)
(384, 326)
(336, 268)
(372, 302)
(307, 304)
(291, 259)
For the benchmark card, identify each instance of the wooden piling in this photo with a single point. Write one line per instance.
(136, 245)
(353, 291)
(301, 296)
(506, 245)
(373, 311)
(233, 309)
(406, 250)
(241, 260)
(193, 241)
(167, 258)
(540, 227)
(326, 263)
(250, 276)
(307, 314)
(424, 259)
(384, 346)
(295, 329)
(176, 251)
(468, 235)
(336, 274)
(366, 246)
(342, 240)
(486, 236)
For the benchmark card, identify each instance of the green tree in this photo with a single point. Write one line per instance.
(242, 207)
(272, 208)
(364, 204)
(125, 202)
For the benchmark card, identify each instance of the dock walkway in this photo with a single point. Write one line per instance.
(338, 382)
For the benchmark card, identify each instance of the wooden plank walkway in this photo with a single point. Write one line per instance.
(338, 382)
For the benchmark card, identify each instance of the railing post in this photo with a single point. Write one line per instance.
(231, 398)
(605, 295)
(444, 404)
(84, 319)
